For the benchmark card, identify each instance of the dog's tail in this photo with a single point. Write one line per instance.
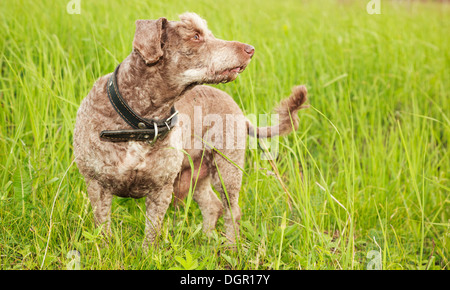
(288, 119)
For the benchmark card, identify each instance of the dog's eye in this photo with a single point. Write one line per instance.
(196, 37)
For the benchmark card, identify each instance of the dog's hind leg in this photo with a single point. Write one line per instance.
(209, 204)
(227, 179)
(101, 200)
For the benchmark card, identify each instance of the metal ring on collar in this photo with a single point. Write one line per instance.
(156, 132)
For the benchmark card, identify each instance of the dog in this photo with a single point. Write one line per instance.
(161, 83)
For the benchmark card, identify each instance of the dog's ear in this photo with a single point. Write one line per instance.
(147, 39)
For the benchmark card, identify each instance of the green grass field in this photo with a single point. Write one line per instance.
(367, 171)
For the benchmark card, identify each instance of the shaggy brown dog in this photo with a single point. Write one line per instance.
(169, 61)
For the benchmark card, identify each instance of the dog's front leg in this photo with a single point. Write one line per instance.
(156, 207)
(101, 200)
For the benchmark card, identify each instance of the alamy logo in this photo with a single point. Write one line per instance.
(74, 263)
(74, 7)
(375, 260)
(374, 7)
(228, 131)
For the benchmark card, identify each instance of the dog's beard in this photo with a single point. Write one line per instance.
(212, 75)
(224, 78)
(228, 74)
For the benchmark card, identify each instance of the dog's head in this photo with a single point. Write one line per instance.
(188, 53)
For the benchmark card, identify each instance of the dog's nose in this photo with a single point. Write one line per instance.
(249, 49)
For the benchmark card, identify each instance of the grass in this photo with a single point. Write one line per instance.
(367, 172)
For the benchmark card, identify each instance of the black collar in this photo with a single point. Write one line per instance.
(143, 129)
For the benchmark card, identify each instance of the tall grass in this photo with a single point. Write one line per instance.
(367, 172)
